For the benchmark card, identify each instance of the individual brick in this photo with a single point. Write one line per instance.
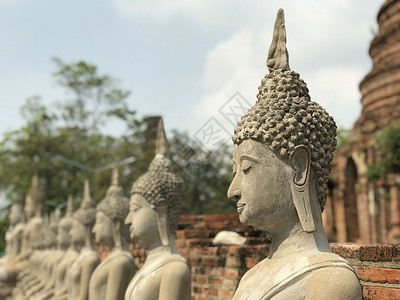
(379, 275)
(375, 253)
(375, 293)
(347, 250)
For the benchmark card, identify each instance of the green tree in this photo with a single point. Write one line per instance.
(343, 136)
(207, 174)
(71, 130)
(389, 148)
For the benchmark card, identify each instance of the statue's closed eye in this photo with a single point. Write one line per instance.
(247, 170)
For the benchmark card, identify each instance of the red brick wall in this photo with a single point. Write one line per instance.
(377, 267)
(217, 270)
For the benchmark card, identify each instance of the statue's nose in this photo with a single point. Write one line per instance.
(234, 194)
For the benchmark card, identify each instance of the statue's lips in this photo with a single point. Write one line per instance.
(240, 207)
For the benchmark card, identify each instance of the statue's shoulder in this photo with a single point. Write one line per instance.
(178, 266)
(91, 258)
(332, 283)
(123, 260)
(331, 277)
(175, 263)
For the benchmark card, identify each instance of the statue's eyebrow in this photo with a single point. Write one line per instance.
(248, 157)
(135, 203)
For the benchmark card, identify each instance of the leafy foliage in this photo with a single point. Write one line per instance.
(343, 136)
(388, 145)
(71, 132)
(207, 174)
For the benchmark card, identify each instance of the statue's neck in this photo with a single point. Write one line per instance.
(120, 242)
(158, 253)
(89, 243)
(155, 242)
(295, 241)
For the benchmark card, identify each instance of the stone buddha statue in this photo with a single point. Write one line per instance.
(70, 280)
(13, 239)
(49, 259)
(78, 277)
(39, 259)
(33, 210)
(154, 212)
(65, 249)
(281, 161)
(13, 236)
(111, 278)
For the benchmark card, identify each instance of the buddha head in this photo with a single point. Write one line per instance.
(34, 201)
(156, 198)
(111, 214)
(84, 217)
(283, 148)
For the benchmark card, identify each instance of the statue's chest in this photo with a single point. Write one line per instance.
(265, 280)
(146, 288)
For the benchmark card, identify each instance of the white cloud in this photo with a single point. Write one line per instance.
(157, 9)
(336, 89)
(327, 46)
(230, 67)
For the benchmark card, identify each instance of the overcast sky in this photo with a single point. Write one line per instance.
(184, 59)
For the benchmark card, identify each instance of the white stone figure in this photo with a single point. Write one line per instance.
(111, 278)
(30, 240)
(60, 257)
(154, 212)
(70, 282)
(51, 257)
(281, 161)
(13, 239)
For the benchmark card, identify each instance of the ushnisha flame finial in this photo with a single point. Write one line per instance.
(278, 56)
(115, 177)
(86, 214)
(87, 199)
(115, 205)
(161, 146)
(70, 206)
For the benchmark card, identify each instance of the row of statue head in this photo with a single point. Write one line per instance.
(150, 216)
(283, 149)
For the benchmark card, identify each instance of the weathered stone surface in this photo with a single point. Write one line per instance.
(281, 161)
(154, 212)
(111, 277)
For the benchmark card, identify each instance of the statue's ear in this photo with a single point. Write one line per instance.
(300, 187)
(162, 220)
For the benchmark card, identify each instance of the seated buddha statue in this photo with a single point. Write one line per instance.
(69, 280)
(113, 274)
(153, 218)
(52, 258)
(283, 149)
(12, 237)
(33, 210)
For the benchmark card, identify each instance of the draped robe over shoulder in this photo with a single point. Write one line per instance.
(285, 280)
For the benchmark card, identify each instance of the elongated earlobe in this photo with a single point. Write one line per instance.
(300, 187)
(162, 221)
